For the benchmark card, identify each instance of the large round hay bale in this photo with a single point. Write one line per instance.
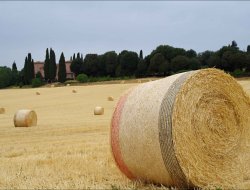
(25, 118)
(99, 110)
(110, 98)
(2, 110)
(186, 130)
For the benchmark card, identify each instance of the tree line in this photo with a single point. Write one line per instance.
(165, 60)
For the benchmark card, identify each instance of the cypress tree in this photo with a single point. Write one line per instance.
(25, 71)
(14, 68)
(14, 74)
(62, 69)
(52, 65)
(46, 65)
(29, 68)
(78, 56)
(141, 55)
(32, 70)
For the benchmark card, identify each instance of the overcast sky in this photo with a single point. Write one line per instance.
(101, 26)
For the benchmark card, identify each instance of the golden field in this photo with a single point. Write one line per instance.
(69, 148)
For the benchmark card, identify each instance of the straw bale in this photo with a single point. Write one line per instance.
(186, 130)
(98, 110)
(25, 118)
(2, 110)
(110, 98)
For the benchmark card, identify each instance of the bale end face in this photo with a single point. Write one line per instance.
(25, 118)
(110, 98)
(2, 110)
(98, 110)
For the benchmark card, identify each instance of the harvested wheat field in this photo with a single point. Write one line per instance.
(70, 146)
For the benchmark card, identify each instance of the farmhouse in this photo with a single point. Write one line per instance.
(39, 67)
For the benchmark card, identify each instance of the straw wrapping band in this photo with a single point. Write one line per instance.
(165, 133)
(115, 145)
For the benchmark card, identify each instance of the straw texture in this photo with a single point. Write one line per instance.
(25, 118)
(99, 110)
(186, 130)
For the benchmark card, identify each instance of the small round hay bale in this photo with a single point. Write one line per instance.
(188, 130)
(74, 91)
(25, 118)
(2, 110)
(110, 98)
(98, 110)
(37, 93)
(68, 84)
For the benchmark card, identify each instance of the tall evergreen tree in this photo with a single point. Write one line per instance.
(25, 71)
(14, 68)
(52, 65)
(62, 69)
(76, 64)
(32, 70)
(28, 69)
(14, 72)
(248, 49)
(234, 44)
(46, 65)
(141, 55)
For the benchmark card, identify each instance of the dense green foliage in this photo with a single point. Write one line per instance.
(62, 69)
(82, 78)
(5, 77)
(36, 82)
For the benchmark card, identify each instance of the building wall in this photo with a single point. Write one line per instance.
(39, 66)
